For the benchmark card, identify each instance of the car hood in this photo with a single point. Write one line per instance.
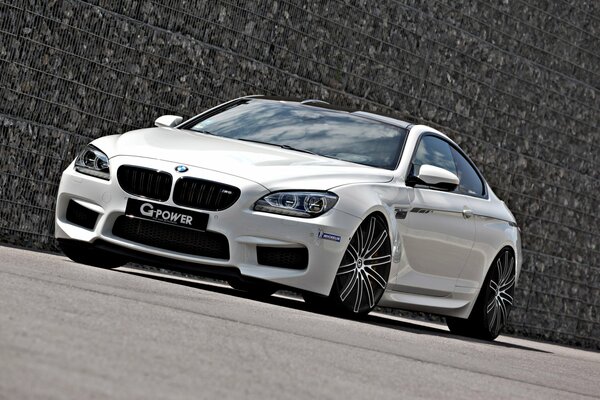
(272, 167)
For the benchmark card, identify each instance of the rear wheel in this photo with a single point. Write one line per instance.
(490, 313)
(362, 276)
(85, 253)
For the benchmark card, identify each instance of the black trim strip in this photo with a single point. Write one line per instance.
(514, 224)
(217, 272)
(424, 210)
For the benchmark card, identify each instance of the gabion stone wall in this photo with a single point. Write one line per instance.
(516, 83)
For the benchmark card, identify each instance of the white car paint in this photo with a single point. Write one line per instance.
(440, 258)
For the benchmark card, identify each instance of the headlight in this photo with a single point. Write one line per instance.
(297, 203)
(92, 161)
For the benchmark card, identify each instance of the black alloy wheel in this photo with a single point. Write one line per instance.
(490, 313)
(365, 268)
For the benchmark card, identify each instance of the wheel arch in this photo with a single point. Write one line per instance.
(506, 246)
(363, 266)
(363, 200)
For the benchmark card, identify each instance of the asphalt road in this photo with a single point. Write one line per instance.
(78, 332)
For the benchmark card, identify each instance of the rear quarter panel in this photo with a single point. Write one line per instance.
(495, 228)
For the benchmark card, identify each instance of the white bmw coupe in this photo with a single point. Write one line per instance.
(351, 209)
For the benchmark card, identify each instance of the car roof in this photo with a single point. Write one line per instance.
(328, 106)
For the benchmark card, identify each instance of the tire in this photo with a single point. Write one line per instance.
(364, 270)
(85, 253)
(319, 303)
(259, 289)
(494, 303)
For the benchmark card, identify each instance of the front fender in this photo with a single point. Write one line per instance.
(362, 200)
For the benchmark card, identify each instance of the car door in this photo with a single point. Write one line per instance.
(486, 226)
(437, 232)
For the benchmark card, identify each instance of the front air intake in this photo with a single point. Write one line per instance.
(172, 237)
(80, 215)
(283, 257)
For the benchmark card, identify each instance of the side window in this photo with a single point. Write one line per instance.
(436, 152)
(470, 182)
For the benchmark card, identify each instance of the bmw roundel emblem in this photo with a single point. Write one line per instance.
(181, 168)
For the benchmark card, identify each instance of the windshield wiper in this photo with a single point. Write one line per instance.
(283, 146)
(287, 147)
(204, 131)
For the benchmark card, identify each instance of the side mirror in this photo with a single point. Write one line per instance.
(168, 120)
(434, 176)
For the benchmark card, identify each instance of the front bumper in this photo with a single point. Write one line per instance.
(244, 228)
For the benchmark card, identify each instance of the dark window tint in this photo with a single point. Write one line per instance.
(436, 152)
(470, 182)
(439, 153)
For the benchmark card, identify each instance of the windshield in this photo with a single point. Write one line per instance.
(329, 133)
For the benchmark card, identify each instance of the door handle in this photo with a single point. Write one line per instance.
(467, 213)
